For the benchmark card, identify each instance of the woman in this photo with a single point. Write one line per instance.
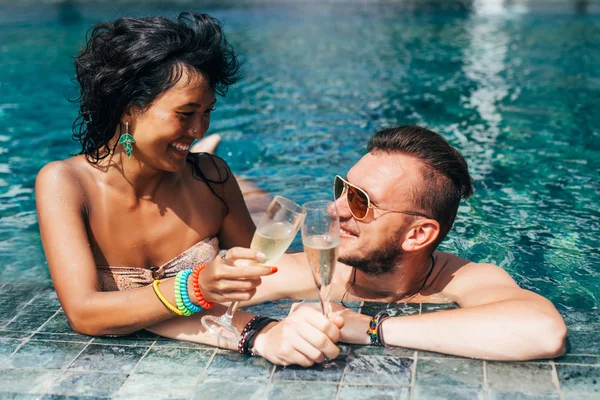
(135, 208)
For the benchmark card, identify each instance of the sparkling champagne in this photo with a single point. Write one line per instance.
(321, 251)
(273, 240)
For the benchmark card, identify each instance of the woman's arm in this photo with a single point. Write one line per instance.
(62, 220)
(303, 338)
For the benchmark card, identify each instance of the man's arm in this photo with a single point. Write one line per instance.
(497, 320)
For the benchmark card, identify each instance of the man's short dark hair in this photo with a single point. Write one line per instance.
(445, 172)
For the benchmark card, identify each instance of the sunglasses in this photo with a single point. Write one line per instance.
(359, 202)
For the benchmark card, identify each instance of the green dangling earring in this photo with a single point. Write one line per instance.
(127, 140)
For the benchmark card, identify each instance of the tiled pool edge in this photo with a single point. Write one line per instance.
(364, 371)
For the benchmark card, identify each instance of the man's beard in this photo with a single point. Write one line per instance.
(381, 261)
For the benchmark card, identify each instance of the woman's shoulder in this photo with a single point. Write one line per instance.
(61, 174)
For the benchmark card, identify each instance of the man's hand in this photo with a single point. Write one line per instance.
(304, 338)
(355, 324)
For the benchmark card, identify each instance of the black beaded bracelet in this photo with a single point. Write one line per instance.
(249, 345)
(245, 331)
(250, 331)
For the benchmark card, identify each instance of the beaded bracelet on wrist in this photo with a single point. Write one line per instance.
(379, 328)
(253, 334)
(183, 288)
(197, 291)
(244, 333)
(250, 331)
(374, 330)
(178, 296)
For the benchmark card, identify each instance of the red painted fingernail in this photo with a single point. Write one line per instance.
(273, 269)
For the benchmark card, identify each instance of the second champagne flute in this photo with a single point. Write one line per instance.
(274, 234)
(321, 239)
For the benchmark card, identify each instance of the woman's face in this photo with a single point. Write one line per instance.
(164, 131)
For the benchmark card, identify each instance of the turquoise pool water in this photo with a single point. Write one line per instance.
(515, 87)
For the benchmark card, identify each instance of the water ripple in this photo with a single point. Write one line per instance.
(514, 87)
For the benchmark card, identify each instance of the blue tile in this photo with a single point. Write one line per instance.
(164, 342)
(123, 341)
(27, 289)
(583, 342)
(29, 322)
(49, 355)
(229, 389)
(362, 350)
(446, 393)
(575, 359)
(302, 391)
(579, 378)
(318, 372)
(62, 337)
(580, 396)
(46, 300)
(96, 384)
(521, 396)
(365, 370)
(14, 334)
(57, 324)
(27, 381)
(520, 377)
(108, 358)
(235, 366)
(146, 386)
(18, 396)
(140, 338)
(582, 320)
(274, 309)
(353, 392)
(78, 397)
(431, 307)
(372, 308)
(7, 347)
(168, 361)
(12, 304)
(430, 354)
(352, 305)
(449, 372)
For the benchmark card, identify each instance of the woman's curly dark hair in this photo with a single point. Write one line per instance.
(131, 61)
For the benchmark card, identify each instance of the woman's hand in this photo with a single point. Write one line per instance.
(233, 277)
(305, 337)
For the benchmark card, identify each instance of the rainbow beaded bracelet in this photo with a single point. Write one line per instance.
(183, 285)
(178, 296)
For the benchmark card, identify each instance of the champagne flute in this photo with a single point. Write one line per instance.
(274, 234)
(321, 238)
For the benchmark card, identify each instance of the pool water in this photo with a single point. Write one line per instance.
(515, 87)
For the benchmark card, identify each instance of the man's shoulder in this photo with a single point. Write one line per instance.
(456, 275)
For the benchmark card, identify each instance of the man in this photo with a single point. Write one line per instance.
(396, 205)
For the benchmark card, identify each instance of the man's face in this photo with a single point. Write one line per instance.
(374, 245)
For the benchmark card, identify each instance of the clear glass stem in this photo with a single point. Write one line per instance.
(324, 293)
(230, 311)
